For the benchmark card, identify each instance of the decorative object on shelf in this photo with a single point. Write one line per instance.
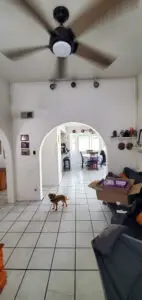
(114, 133)
(121, 146)
(82, 130)
(24, 137)
(126, 133)
(25, 152)
(122, 133)
(73, 131)
(25, 145)
(129, 146)
(132, 133)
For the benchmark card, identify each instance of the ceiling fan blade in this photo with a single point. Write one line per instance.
(20, 53)
(95, 55)
(35, 14)
(61, 61)
(95, 13)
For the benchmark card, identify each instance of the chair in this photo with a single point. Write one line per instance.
(82, 160)
(92, 163)
(67, 164)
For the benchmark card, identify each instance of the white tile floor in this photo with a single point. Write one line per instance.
(48, 255)
(3, 196)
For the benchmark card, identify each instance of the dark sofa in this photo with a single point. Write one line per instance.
(132, 174)
(129, 219)
(119, 258)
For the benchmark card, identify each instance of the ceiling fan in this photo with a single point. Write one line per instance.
(63, 40)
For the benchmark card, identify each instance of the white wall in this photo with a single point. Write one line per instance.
(50, 160)
(59, 157)
(111, 106)
(6, 136)
(2, 161)
(5, 115)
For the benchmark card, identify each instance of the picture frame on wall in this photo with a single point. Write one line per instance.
(25, 152)
(25, 145)
(24, 137)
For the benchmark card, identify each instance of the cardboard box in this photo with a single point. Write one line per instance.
(115, 193)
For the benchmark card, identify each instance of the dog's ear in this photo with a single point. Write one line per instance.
(51, 196)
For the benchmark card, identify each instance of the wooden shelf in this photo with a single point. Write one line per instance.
(122, 138)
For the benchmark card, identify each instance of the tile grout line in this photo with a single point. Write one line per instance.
(50, 247)
(44, 196)
(68, 270)
(31, 248)
(90, 216)
(18, 242)
(8, 213)
(75, 252)
(11, 227)
(51, 220)
(105, 217)
(50, 270)
(46, 289)
(19, 232)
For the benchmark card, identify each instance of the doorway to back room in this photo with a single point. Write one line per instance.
(69, 154)
(3, 179)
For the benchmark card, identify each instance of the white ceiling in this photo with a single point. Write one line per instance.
(122, 37)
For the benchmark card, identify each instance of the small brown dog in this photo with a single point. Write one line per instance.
(55, 199)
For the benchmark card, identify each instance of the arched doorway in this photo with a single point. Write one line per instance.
(76, 142)
(9, 166)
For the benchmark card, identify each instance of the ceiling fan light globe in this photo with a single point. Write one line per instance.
(62, 49)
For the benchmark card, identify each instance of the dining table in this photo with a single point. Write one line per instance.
(87, 156)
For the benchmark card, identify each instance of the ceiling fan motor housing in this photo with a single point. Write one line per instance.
(62, 42)
(61, 14)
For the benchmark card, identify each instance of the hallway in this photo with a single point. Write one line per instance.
(48, 255)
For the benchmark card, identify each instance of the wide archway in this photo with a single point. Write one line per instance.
(8, 165)
(79, 137)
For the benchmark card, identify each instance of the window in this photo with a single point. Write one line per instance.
(84, 143)
(88, 142)
(95, 143)
(73, 143)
